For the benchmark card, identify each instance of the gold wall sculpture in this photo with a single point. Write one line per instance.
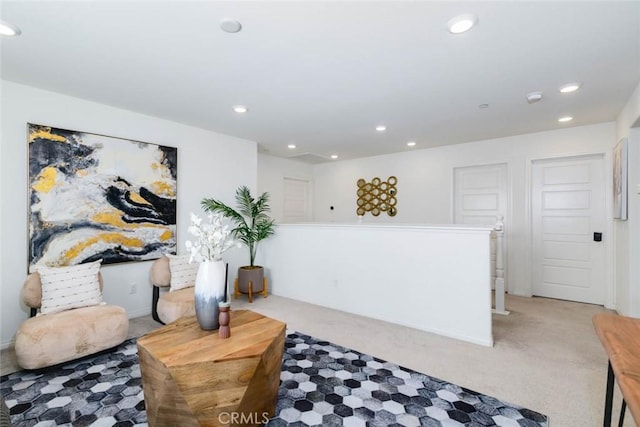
(377, 196)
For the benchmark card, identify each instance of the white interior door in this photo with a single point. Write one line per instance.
(297, 200)
(568, 207)
(480, 195)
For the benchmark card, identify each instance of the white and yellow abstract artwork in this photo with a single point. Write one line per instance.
(99, 197)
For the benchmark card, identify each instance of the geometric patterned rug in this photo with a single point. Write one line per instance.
(322, 384)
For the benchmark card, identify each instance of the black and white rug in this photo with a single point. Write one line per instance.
(322, 384)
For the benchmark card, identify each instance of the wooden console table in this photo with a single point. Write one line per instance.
(620, 337)
(192, 377)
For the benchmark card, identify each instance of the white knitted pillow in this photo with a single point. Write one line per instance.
(183, 274)
(64, 288)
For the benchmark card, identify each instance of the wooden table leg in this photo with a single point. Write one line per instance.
(608, 400)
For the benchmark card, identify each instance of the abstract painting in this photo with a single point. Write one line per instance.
(620, 180)
(99, 197)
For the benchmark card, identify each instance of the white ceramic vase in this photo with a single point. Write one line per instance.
(209, 291)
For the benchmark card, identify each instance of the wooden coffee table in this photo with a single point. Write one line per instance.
(192, 377)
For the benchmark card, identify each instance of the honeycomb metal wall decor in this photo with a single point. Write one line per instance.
(377, 196)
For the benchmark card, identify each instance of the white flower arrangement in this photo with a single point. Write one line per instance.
(213, 238)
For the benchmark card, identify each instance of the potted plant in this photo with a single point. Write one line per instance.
(252, 225)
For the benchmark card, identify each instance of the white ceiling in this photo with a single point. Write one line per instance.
(322, 75)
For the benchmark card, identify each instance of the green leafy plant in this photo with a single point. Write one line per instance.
(251, 219)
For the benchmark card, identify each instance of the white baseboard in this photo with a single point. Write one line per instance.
(6, 344)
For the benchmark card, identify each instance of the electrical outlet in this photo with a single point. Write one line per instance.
(134, 288)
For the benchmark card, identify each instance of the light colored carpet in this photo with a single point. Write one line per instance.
(546, 355)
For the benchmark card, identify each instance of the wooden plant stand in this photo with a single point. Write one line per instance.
(251, 293)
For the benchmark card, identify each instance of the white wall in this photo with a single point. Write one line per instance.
(207, 167)
(633, 225)
(425, 185)
(2, 181)
(271, 173)
(627, 233)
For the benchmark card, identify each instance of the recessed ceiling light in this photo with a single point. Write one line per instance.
(483, 106)
(569, 87)
(411, 144)
(565, 119)
(240, 109)
(381, 128)
(534, 97)
(462, 23)
(7, 29)
(291, 146)
(230, 25)
(334, 156)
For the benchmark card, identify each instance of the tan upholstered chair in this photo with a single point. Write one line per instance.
(54, 338)
(168, 306)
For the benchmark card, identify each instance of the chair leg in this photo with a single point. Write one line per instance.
(622, 411)
(154, 304)
(250, 291)
(264, 287)
(608, 399)
(236, 292)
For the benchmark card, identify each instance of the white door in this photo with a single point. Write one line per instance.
(480, 195)
(567, 209)
(296, 200)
